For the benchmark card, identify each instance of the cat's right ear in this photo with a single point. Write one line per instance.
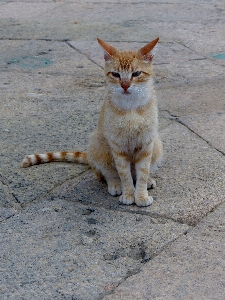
(109, 51)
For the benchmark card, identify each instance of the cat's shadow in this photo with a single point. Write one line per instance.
(89, 191)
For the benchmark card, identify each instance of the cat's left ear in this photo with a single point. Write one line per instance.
(147, 52)
(109, 51)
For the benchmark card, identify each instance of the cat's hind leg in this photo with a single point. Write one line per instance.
(109, 174)
(142, 165)
(151, 184)
(155, 162)
(101, 161)
(114, 187)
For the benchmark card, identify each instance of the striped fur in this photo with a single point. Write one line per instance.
(125, 147)
(63, 156)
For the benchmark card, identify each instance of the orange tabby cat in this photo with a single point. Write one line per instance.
(126, 145)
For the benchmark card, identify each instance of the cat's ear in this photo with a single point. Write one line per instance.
(109, 51)
(147, 52)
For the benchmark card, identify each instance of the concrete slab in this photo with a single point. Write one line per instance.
(9, 205)
(185, 72)
(26, 10)
(173, 63)
(203, 38)
(59, 226)
(31, 124)
(66, 131)
(189, 184)
(191, 20)
(166, 53)
(66, 21)
(71, 30)
(39, 104)
(26, 94)
(47, 57)
(60, 249)
(209, 126)
(6, 212)
(191, 268)
(36, 139)
(195, 97)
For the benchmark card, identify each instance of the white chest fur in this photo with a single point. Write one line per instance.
(137, 95)
(131, 130)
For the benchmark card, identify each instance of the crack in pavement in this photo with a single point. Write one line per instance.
(197, 134)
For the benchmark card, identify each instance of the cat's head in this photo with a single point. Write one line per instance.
(128, 71)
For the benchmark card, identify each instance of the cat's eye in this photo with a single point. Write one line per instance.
(115, 74)
(136, 74)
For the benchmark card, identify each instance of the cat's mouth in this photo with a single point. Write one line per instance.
(126, 93)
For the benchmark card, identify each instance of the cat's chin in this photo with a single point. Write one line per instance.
(130, 100)
(126, 93)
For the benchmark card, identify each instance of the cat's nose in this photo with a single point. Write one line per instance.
(125, 86)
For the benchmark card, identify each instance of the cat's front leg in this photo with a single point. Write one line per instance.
(142, 166)
(123, 167)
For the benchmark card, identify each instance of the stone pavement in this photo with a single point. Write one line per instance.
(62, 235)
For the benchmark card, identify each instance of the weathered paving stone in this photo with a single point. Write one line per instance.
(192, 179)
(167, 52)
(208, 126)
(9, 206)
(73, 21)
(6, 212)
(45, 57)
(27, 184)
(31, 126)
(193, 67)
(40, 95)
(49, 109)
(75, 241)
(190, 268)
(197, 97)
(53, 250)
(190, 182)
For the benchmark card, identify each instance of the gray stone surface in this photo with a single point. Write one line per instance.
(199, 97)
(38, 102)
(62, 235)
(210, 127)
(58, 249)
(194, 68)
(190, 183)
(190, 268)
(167, 51)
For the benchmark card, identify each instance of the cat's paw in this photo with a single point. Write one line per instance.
(127, 198)
(114, 187)
(151, 183)
(144, 200)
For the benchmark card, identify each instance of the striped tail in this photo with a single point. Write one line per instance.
(66, 156)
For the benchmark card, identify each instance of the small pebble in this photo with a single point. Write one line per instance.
(46, 209)
(88, 211)
(57, 208)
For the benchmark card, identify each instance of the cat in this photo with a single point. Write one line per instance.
(126, 146)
